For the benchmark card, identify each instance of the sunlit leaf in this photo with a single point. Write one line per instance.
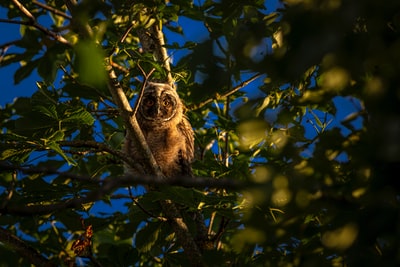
(147, 237)
(14, 154)
(80, 116)
(56, 147)
(49, 111)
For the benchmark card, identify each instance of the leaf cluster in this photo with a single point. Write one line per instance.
(300, 104)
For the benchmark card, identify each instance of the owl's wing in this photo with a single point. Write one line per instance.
(186, 129)
(186, 153)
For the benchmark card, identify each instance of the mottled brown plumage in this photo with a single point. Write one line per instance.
(166, 129)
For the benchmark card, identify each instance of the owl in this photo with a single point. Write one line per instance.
(167, 131)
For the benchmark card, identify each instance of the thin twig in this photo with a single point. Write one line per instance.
(120, 68)
(10, 21)
(144, 84)
(218, 42)
(4, 47)
(127, 31)
(142, 208)
(52, 9)
(26, 12)
(8, 44)
(230, 92)
(226, 135)
(222, 226)
(122, 39)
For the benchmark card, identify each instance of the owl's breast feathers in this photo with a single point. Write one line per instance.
(172, 148)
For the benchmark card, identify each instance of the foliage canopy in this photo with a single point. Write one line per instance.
(297, 122)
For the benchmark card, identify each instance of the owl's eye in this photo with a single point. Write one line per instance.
(166, 102)
(148, 102)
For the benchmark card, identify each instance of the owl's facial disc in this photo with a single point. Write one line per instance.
(160, 107)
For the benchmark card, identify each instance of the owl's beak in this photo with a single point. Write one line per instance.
(157, 109)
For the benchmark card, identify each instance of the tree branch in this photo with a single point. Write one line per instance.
(23, 249)
(152, 40)
(102, 147)
(52, 9)
(10, 21)
(5, 46)
(130, 122)
(145, 179)
(181, 230)
(26, 12)
(109, 185)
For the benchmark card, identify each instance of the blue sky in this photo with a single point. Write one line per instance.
(8, 90)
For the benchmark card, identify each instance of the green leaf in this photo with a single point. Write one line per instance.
(185, 196)
(17, 155)
(57, 136)
(176, 29)
(271, 17)
(115, 254)
(53, 145)
(79, 116)
(81, 91)
(25, 70)
(22, 105)
(50, 111)
(90, 63)
(47, 68)
(49, 64)
(34, 124)
(147, 236)
(12, 58)
(30, 39)
(317, 120)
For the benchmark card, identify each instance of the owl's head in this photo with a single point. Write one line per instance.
(160, 103)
